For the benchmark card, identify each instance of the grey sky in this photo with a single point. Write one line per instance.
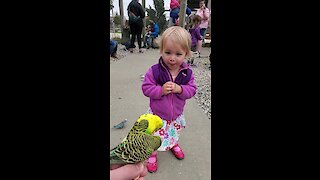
(126, 3)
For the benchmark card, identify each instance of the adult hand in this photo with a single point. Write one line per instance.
(128, 172)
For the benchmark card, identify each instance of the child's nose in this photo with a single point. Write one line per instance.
(173, 57)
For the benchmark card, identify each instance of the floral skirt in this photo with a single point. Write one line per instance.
(170, 132)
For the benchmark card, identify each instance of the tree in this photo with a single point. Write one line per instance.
(157, 14)
(117, 19)
(111, 5)
(182, 13)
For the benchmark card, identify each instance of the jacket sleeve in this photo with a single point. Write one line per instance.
(155, 30)
(141, 11)
(188, 90)
(207, 13)
(150, 87)
(129, 9)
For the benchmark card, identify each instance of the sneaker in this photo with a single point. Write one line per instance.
(152, 164)
(177, 151)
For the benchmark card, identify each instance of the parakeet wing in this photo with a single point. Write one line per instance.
(138, 127)
(136, 148)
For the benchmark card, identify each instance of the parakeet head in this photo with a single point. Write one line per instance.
(154, 121)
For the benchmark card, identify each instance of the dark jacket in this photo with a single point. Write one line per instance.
(136, 8)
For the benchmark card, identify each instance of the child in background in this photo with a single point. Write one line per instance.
(168, 84)
(196, 37)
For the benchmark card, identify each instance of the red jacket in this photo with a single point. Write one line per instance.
(174, 4)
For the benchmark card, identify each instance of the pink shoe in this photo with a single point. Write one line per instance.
(177, 151)
(152, 164)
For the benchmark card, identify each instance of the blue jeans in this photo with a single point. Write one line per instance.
(113, 46)
(202, 30)
(148, 41)
(174, 13)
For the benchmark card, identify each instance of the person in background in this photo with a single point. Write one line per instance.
(204, 13)
(113, 48)
(147, 35)
(136, 15)
(175, 9)
(196, 37)
(151, 35)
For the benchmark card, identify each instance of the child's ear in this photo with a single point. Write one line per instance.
(188, 54)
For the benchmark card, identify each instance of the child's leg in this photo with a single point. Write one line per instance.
(152, 165)
(153, 157)
(177, 151)
(199, 46)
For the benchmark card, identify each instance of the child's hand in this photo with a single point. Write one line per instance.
(171, 87)
(167, 88)
(176, 88)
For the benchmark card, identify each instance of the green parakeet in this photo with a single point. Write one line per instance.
(139, 144)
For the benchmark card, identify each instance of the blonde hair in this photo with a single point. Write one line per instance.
(179, 36)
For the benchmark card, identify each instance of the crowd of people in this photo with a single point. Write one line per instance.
(171, 76)
(135, 25)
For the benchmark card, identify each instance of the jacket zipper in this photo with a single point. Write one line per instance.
(171, 119)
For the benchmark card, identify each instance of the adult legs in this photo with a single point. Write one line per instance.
(114, 53)
(133, 30)
(133, 39)
(174, 14)
(113, 46)
(136, 30)
(139, 31)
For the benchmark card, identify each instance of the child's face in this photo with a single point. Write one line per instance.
(173, 55)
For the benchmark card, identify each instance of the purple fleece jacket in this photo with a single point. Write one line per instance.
(170, 106)
(195, 35)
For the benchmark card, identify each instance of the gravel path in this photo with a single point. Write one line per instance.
(202, 75)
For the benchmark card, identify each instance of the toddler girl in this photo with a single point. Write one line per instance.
(168, 84)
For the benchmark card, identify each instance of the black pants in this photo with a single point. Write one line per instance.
(136, 30)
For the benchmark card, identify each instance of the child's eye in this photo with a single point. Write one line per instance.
(167, 52)
(179, 54)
